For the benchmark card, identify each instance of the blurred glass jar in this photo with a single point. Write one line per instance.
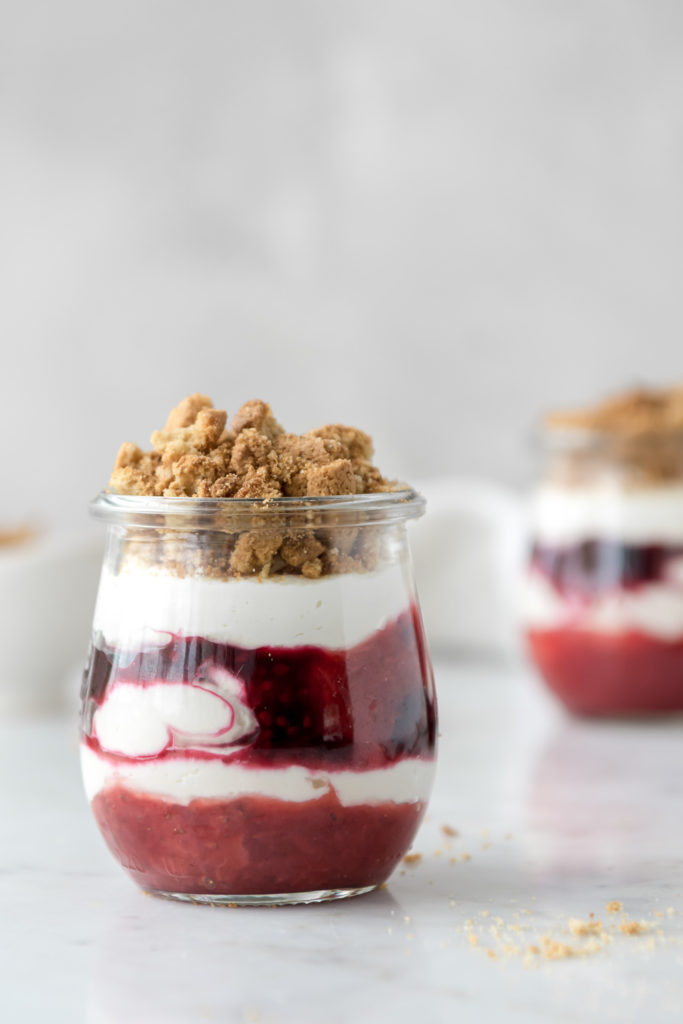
(603, 608)
(258, 721)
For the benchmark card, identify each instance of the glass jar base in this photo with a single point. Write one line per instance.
(275, 899)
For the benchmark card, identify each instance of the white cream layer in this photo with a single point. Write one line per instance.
(182, 780)
(569, 515)
(142, 608)
(654, 609)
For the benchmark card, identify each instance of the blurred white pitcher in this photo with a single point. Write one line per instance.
(469, 553)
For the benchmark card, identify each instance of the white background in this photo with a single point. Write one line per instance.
(431, 219)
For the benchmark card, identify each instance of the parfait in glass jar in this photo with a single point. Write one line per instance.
(258, 719)
(604, 590)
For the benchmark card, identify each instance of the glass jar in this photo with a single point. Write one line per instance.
(258, 710)
(603, 606)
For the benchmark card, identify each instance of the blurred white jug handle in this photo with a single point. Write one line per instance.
(469, 552)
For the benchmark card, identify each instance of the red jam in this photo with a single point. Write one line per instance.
(602, 673)
(366, 708)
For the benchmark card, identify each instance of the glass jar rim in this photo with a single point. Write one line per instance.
(214, 513)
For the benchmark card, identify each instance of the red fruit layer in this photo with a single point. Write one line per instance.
(365, 707)
(606, 674)
(254, 845)
(596, 566)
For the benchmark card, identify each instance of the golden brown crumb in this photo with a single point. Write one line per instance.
(448, 830)
(633, 927)
(13, 538)
(492, 954)
(578, 927)
(614, 906)
(256, 414)
(554, 950)
(412, 858)
(357, 443)
(473, 940)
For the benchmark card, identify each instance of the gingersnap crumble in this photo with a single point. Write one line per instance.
(639, 431)
(614, 906)
(196, 455)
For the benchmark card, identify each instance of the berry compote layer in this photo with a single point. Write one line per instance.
(604, 623)
(219, 769)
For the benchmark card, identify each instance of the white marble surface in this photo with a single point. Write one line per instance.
(558, 818)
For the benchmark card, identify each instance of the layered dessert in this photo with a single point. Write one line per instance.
(258, 707)
(604, 593)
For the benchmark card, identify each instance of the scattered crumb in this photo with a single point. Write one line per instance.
(614, 906)
(20, 535)
(466, 856)
(554, 950)
(473, 940)
(534, 950)
(437, 853)
(452, 860)
(578, 927)
(670, 911)
(633, 927)
(485, 913)
(491, 953)
(448, 830)
(412, 858)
